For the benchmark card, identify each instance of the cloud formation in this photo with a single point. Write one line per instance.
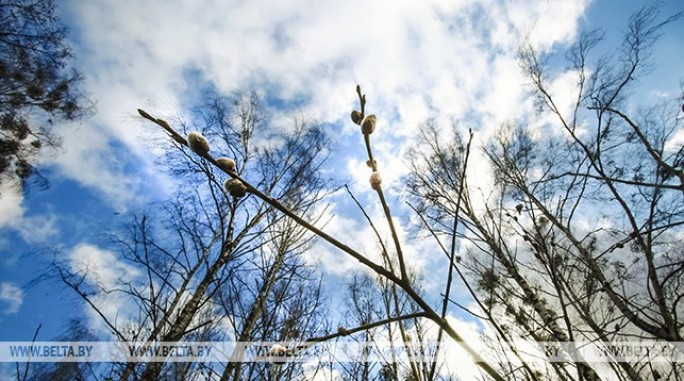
(415, 60)
(12, 296)
(33, 229)
(105, 274)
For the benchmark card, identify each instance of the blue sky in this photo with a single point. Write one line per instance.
(415, 60)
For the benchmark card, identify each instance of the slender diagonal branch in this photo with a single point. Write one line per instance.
(385, 207)
(380, 270)
(452, 251)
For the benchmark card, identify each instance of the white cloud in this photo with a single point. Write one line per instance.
(414, 60)
(331, 259)
(33, 229)
(110, 277)
(88, 158)
(37, 229)
(106, 273)
(12, 296)
(11, 208)
(100, 267)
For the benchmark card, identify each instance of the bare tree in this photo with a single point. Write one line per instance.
(411, 346)
(216, 257)
(397, 275)
(541, 273)
(579, 239)
(75, 330)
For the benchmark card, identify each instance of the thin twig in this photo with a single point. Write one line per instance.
(370, 222)
(28, 360)
(401, 282)
(385, 207)
(452, 251)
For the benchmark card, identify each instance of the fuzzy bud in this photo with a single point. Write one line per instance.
(198, 143)
(356, 117)
(226, 163)
(277, 354)
(368, 125)
(235, 188)
(375, 181)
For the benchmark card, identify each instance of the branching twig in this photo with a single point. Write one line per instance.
(452, 251)
(374, 167)
(402, 281)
